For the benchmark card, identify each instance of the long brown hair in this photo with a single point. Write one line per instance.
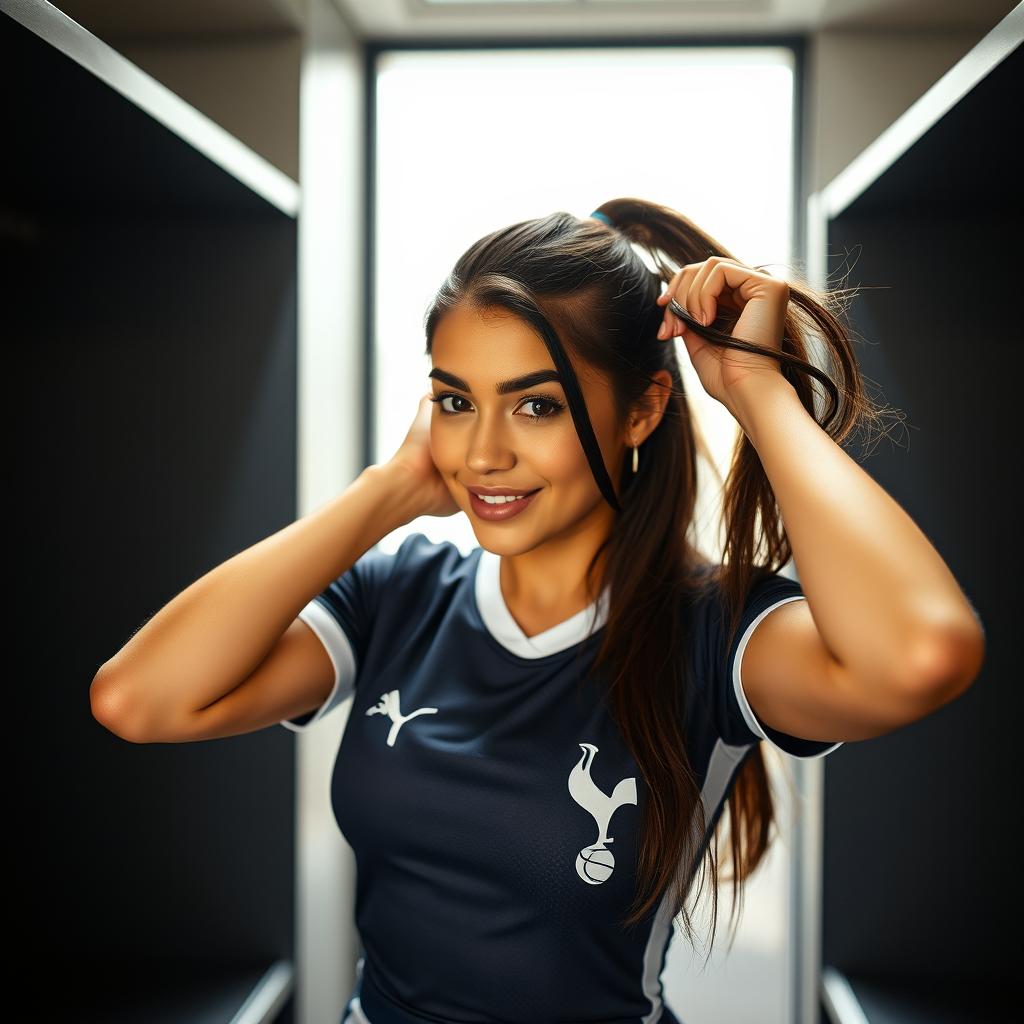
(581, 284)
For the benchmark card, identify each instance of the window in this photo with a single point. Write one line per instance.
(470, 140)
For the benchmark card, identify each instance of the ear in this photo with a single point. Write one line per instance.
(648, 412)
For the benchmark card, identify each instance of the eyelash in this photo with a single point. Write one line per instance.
(558, 406)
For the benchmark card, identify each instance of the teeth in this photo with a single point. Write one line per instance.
(501, 499)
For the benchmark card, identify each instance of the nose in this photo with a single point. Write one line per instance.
(488, 446)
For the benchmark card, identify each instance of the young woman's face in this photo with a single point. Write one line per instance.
(524, 439)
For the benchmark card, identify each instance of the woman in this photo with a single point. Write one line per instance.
(545, 732)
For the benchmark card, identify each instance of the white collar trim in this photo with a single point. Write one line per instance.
(503, 627)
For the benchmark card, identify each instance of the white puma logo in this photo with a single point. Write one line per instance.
(390, 705)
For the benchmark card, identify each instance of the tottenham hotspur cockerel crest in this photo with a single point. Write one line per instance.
(595, 863)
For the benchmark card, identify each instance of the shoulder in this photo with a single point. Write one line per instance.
(425, 578)
(417, 549)
(709, 609)
(705, 591)
(421, 561)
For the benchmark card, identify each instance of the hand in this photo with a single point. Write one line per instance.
(415, 467)
(700, 288)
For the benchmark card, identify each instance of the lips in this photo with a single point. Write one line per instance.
(502, 510)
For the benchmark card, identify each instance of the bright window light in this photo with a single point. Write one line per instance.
(468, 141)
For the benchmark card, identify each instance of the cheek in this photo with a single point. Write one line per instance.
(559, 457)
(556, 455)
(444, 448)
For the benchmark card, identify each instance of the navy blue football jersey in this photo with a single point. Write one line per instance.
(492, 806)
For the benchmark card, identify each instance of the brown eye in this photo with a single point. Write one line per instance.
(553, 406)
(447, 394)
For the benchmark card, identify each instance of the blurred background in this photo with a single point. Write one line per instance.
(222, 223)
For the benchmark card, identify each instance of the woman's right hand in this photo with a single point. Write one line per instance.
(416, 466)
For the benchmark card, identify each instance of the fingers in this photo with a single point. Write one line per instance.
(696, 287)
(700, 302)
(672, 326)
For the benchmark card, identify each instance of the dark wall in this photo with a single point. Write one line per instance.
(921, 901)
(150, 339)
(919, 870)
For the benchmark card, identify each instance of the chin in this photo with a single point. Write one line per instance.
(508, 545)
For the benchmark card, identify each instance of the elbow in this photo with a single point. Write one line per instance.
(111, 706)
(945, 665)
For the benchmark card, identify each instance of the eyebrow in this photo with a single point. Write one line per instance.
(503, 387)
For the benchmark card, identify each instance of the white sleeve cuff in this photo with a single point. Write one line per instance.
(343, 658)
(748, 713)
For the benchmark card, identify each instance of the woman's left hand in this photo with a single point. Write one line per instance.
(700, 288)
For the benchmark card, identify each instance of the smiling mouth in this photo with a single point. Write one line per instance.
(502, 499)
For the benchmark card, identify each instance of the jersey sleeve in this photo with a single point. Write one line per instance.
(342, 616)
(722, 671)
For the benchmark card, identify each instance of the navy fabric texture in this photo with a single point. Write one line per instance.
(490, 801)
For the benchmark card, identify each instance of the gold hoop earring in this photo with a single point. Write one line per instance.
(636, 457)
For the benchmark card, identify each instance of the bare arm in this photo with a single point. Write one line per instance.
(215, 633)
(885, 604)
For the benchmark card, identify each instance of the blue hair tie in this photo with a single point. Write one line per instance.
(604, 217)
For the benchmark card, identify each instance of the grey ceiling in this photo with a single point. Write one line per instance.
(418, 19)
